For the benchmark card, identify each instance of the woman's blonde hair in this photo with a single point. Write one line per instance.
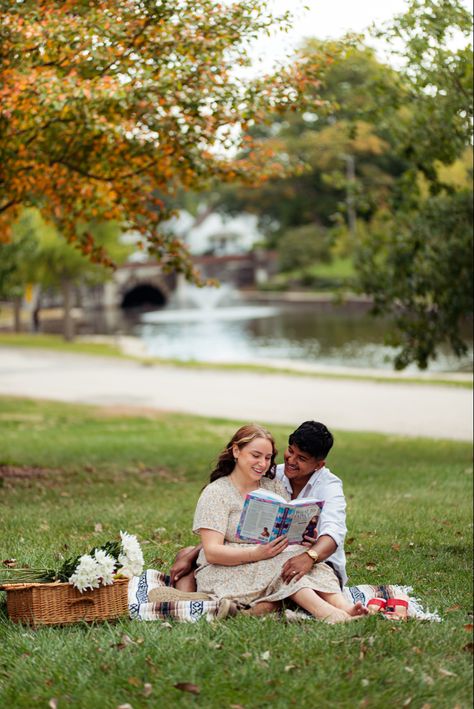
(226, 462)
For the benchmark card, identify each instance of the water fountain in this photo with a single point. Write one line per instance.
(192, 304)
(212, 325)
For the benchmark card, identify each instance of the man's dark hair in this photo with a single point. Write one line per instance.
(313, 438)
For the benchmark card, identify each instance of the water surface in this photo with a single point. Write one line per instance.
(324, 335)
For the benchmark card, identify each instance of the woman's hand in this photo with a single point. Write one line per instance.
(268, 551)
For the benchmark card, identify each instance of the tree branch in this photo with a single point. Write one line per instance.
(6, 206)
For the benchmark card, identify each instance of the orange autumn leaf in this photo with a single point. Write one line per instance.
(92, 128)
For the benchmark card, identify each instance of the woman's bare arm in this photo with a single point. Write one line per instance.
(219, 553)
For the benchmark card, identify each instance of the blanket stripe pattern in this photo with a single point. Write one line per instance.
(191, 611)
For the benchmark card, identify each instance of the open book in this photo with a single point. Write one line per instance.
(266, 516)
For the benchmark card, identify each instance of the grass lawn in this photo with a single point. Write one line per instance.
(58, 343)
(409, 519)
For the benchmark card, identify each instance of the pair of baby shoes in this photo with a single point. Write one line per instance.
(392, 609)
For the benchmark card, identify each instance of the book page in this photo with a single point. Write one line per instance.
(268, 495)
(303, 520)
(260, 520)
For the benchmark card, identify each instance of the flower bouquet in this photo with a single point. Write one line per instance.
(88, 587)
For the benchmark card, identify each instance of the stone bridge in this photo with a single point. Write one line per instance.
(140, 284)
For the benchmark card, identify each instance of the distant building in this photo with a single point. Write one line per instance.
(209, 233)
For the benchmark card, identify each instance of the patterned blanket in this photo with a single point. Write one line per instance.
(191, 611)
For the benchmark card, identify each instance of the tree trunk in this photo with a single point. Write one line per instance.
(35, 315)
(17, 314)
(68, 322)
(351, 213)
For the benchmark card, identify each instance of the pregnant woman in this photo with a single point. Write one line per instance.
(229, 567)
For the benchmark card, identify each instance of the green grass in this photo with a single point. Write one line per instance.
(337, 275)
(409, 519)
(58, 343)
(339, 268)
(84, 347)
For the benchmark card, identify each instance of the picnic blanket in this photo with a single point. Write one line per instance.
(191, 611)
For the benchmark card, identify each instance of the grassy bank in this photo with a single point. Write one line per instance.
(109, 349)
(59, 344)
(67, 469)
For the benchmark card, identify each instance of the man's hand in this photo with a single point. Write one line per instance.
(181, 567)
(308, 542)
(184, 563)
(296, 567)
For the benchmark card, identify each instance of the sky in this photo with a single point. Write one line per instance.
(332, 18)
(325, 19)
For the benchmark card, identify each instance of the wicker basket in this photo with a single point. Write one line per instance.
(61, 603)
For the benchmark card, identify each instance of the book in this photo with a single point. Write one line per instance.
(266, 516)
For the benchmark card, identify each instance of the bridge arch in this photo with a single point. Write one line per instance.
(143, 295)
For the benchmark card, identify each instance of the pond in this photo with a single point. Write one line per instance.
(322, 334)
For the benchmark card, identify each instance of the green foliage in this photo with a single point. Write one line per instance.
(38, 254)
(108, 108)
(303, 246)
(377, 144)
(419, 265)
(435, 83)
(345, 165)
(408, 524)
(419, 269)
(16, 259)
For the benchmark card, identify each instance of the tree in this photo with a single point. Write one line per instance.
(110, 106)
(419, 270)
(16, 268)
(38, 254)
(417, 265)
(302, 246)
(433, 94)
(345, 165)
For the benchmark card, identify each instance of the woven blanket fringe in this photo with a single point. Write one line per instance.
(191, 611)
(364, 592)
(187, 611)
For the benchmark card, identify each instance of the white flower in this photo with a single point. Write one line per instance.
(131, 559)
(106, 566)
(86, 574)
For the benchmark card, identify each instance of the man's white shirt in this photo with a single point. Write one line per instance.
(323, 485)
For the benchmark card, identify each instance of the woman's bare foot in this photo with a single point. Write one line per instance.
(340, 616)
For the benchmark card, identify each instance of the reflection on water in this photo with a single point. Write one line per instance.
(328, 336)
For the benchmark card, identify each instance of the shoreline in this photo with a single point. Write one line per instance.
(320, 297)
(135, 347)
(388, 407)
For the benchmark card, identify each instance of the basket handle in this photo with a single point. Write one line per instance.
(86, 599)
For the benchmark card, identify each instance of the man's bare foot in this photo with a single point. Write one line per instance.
(358, 609)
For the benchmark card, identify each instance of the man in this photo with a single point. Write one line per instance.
(304, 474)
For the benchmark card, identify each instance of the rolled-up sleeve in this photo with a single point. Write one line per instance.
(333, 516)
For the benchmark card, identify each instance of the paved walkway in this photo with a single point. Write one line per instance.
(407, 409)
